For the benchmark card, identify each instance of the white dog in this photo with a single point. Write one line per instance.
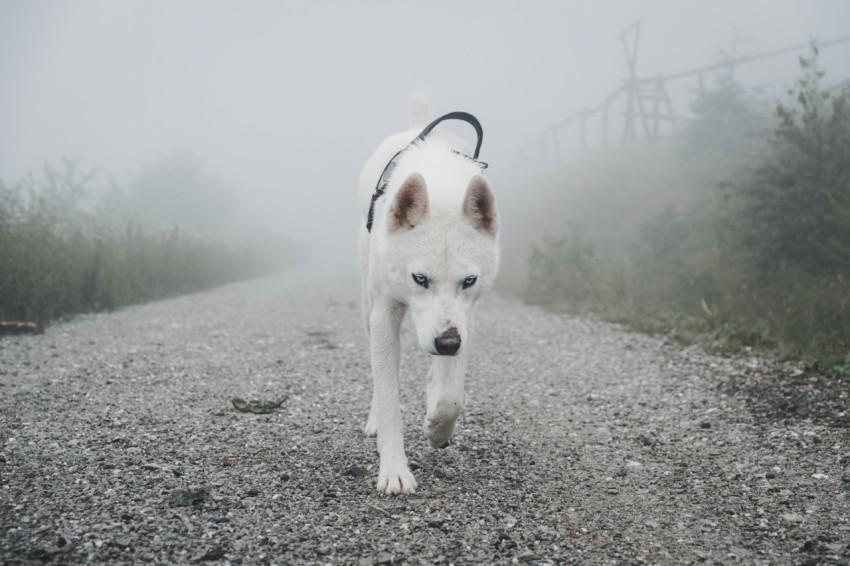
(431, 247)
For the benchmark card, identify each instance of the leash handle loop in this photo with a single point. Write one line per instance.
(464, 117)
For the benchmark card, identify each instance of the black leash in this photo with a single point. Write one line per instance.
(384, 179)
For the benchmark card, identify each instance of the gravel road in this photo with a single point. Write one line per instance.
(580, 443)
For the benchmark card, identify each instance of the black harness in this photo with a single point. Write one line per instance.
(384, 179)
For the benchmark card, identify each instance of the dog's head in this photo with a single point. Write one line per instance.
(442, 255)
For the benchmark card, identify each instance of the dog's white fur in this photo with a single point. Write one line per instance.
(437, 218)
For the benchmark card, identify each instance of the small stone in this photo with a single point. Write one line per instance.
(323, 550)
(252, 492)
(215, 553)
(123, 542)
(438, 473)
(835, 547)
(177, 472)
(284, 477)
(705, 425)
(61, 542)
(186, 497)
(40, 555)
(527, 556)
(357, 471)
(384, 558)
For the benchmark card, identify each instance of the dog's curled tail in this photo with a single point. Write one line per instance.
(420, 111)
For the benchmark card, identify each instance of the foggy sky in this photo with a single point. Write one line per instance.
(286, 100)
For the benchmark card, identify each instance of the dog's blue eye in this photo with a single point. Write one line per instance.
(420, 279)
(469, 281)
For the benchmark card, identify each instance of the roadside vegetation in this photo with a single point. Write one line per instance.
(736, 234)
(66, 248)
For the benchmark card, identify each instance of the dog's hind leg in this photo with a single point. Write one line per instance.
(393, 475)
(371, 428)
(445, 397)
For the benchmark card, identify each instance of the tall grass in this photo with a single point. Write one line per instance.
(62, 254)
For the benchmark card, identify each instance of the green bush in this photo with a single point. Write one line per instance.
(737, 233)
(796, 206)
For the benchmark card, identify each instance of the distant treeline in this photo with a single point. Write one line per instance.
(66, 250)
(737, 233)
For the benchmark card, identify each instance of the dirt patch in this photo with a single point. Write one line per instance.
(775, 394)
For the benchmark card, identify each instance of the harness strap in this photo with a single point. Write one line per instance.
(384, 179)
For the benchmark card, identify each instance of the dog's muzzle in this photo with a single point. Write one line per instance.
(448, 343)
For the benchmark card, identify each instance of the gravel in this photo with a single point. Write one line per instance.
(580, 443)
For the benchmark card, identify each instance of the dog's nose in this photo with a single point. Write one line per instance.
(449, 343)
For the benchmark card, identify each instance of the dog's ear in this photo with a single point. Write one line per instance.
(479, 207)
(410, 204)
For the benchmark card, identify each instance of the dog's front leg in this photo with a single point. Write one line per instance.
(445, 384)
(393, 475)
(444, 397)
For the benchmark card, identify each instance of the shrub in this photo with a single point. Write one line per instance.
(60, 258)
(747, 248)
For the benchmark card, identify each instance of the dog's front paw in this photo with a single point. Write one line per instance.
(396, 479)
(439, 432)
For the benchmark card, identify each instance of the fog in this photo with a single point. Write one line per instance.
(285, 101)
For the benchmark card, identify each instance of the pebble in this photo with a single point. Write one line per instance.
(123, 542)
(357, 471)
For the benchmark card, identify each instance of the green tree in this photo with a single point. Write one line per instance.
(797, 204)
(727, 119)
